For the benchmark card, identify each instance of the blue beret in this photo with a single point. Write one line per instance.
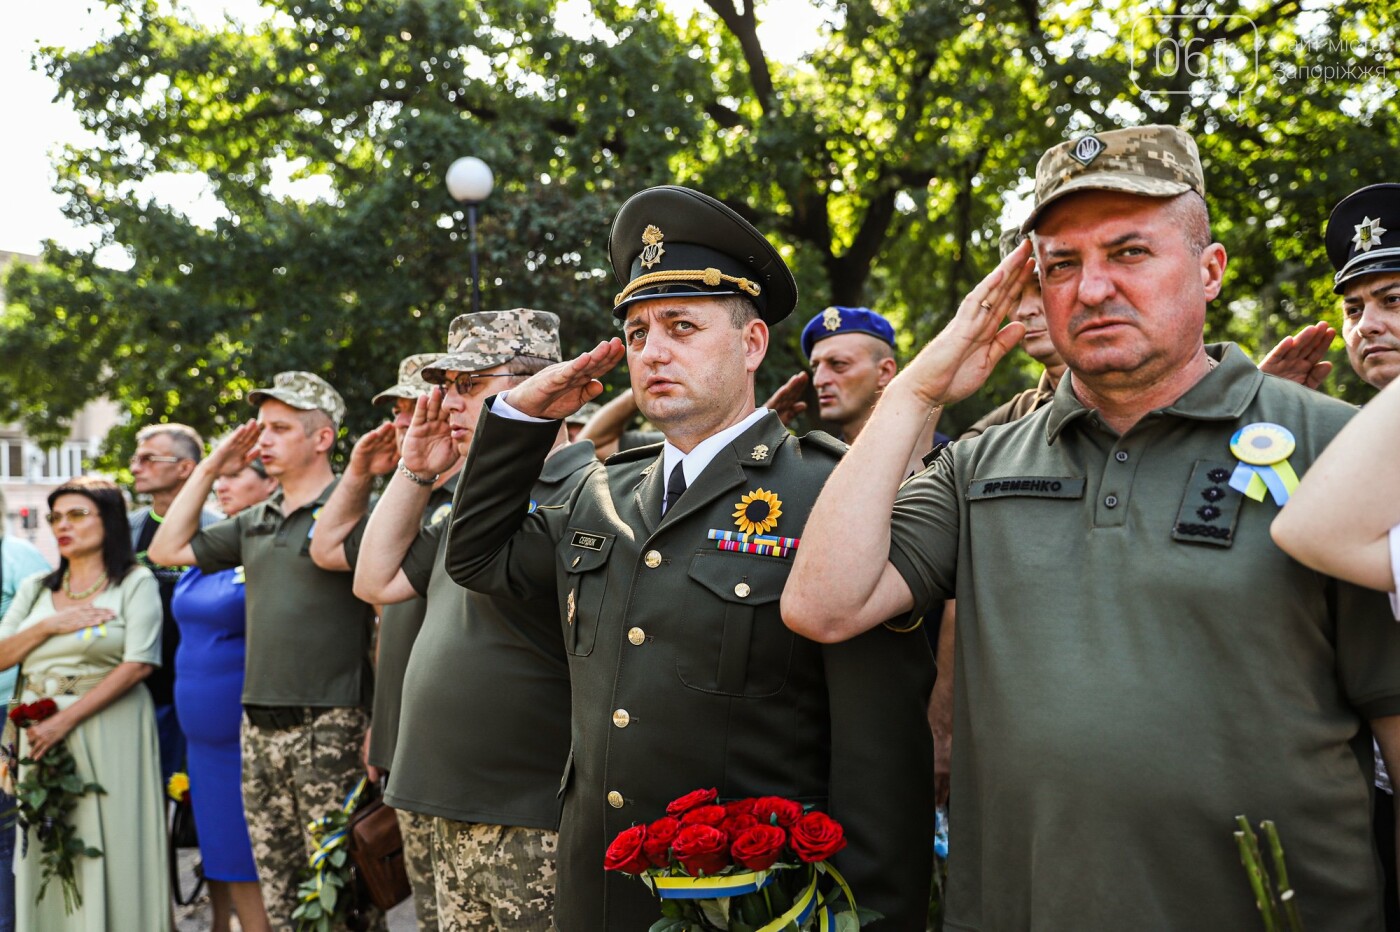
(837, 320)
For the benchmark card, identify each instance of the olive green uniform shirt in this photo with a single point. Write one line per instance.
(399, 624)
(484, 732)
(683, 673)
(1138, 663)
(308, 636)
(1018, 407)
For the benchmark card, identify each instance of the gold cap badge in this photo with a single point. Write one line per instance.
(831, 319)
(652, 250)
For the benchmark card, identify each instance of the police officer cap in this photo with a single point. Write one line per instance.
(678, 242)
(1363, 234)
(838, 320)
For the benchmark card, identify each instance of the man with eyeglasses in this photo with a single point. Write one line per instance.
(165, 456)
(484, 728)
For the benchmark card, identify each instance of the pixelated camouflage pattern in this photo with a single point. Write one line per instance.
(489, 338)
(411, 383)
(585, 414)
(1009, 240)
(304, 391)
(416, 830)
(291, 776)
(1154, 161)
(494, 876)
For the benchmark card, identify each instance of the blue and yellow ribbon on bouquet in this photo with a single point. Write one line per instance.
(328, 842)
(808, 902)
(1263, 450)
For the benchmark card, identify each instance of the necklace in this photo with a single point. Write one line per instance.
(86, 593)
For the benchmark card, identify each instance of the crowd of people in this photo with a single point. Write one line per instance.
(1087, 627)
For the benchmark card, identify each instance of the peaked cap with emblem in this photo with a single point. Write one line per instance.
(1154, 161)
(838, 320)
(678, 242)
(488, 338)
(411, 383)
(1363, 233)
(304, 391)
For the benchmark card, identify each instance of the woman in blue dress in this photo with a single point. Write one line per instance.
(208, 702)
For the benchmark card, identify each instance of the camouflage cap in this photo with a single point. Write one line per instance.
(304, 391)
(411, 383)
(1154, 161)
(488, 338)
(585, 414)
(1009, 240)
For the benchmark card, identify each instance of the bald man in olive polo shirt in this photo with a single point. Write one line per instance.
(307, 682)
(1162, 667)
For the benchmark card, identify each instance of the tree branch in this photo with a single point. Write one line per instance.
(745, 28)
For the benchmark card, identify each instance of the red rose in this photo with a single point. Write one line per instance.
(704, 815)
(701, 849)
(759, 848)
(690, 800)
(736, 825)
(817, 836)
(777, 811)
(19, 714)
(626, 852)
(659, 837)
(739, 807)
(43, 709)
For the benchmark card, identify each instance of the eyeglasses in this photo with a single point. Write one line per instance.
(146, 459)
(74, 515)
(466, 382)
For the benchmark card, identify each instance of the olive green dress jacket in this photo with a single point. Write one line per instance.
(683, 673)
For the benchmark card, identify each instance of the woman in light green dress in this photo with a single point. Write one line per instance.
(85, 636)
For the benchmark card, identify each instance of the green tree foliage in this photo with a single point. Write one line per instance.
(883, 164)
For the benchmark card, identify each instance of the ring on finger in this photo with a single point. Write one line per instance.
(986, 306)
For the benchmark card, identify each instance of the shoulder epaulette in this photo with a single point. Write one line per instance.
(823, 441)
(634, 454)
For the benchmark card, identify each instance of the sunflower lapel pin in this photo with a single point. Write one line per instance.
(756, 516)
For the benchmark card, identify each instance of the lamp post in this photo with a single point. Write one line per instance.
(469, 181)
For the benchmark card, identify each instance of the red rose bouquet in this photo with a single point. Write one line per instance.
(46, 795)
(749, 865)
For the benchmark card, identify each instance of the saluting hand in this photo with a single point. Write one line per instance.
(787, 401)
(957, 361)
(560, 390)
(377, 452)
(237, 450)
(1298, 358)
(427, 447)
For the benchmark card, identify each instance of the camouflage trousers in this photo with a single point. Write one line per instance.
(291, 776)
(416, 829)
(494, 876)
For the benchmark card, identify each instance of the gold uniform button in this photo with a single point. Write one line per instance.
(742, 590)
(637, 636)
(621, 719)
(615, 799)
(652, 559)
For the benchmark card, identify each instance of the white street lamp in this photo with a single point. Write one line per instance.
(469, 181)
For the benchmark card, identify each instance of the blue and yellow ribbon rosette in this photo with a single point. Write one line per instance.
(1263, 450)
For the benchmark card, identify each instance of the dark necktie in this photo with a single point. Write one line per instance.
(675, 488)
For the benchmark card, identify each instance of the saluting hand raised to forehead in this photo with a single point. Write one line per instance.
(237, 450)
(957, 362)
(563, 388)
(428, 449)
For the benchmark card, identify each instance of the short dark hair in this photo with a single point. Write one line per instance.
(1190, 211)
(117, 556)
(183, 438)
(741, 309)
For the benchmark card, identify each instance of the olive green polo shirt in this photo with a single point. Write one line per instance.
(399, 625)
(308, 636)
(1138, 663)
(484, 730)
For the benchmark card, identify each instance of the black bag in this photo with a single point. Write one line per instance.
(182, 834)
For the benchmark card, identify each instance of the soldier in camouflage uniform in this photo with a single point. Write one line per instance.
(336, 547)
(307, 683)
(484, 731)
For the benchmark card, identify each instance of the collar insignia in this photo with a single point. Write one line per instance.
(831, 319)
(1368, 234)
(760, 452)
(1086, 150)
(652, 250)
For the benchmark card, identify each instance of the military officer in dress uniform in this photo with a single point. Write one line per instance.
(683, 674)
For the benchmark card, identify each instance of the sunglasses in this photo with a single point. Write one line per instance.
(146, 459)
(74, 515)
(465, 383)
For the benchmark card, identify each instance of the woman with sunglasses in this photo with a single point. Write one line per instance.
(208, 693)
(84, 635)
